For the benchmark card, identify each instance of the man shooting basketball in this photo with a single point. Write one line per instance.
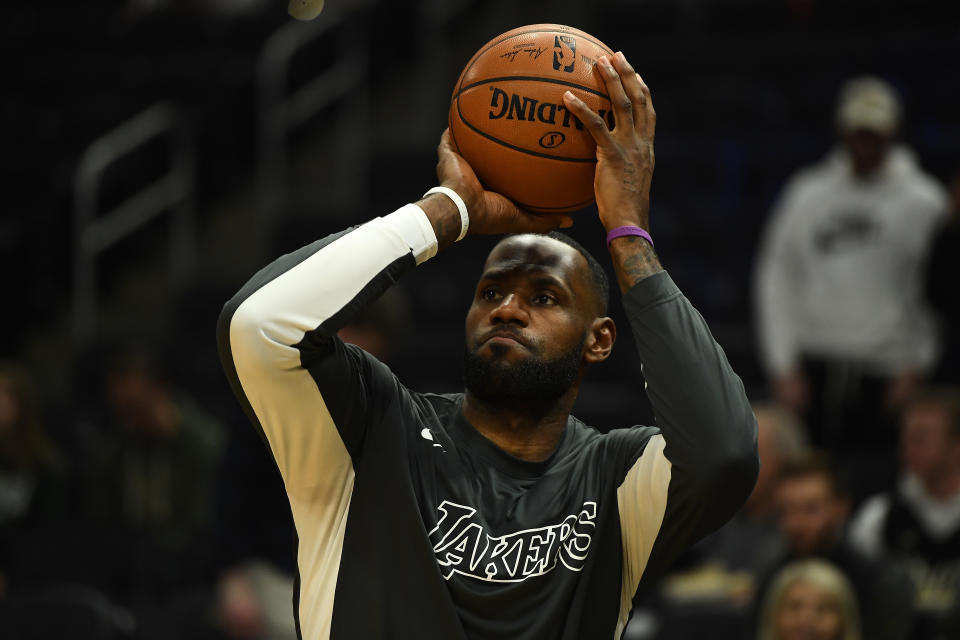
(491, 513)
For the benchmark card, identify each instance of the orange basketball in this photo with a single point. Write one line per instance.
(508, 119)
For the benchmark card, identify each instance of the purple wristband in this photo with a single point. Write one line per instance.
(629, 230)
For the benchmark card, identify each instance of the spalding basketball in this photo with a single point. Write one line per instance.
(508, 119)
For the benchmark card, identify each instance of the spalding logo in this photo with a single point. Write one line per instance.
(513, 106)
(552, 139)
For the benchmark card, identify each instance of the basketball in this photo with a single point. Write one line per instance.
(508, 119)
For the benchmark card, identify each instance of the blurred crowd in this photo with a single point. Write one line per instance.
(138, 507)
(853, 528)
(139, 514)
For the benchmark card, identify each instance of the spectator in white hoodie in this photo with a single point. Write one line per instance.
(844, 332)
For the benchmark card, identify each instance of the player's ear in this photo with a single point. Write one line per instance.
(600, 338)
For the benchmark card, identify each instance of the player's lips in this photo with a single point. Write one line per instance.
(503, 337)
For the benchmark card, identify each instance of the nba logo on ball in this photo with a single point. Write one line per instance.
(564, 49)
(509, 120)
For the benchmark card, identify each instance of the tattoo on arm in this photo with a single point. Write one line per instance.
(633, 259)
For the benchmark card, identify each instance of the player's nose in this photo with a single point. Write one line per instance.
(510, 309)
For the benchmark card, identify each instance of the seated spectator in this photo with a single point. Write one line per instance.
(813, 511)
(150, 491)
(918, 524)
(32, 486)
(716, 581)
(809, 600)
(780, 439)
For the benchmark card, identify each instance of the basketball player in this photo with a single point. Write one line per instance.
(491, 513)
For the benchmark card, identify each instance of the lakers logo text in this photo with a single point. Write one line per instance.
(462, 546)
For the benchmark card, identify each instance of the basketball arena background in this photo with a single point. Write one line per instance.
(157, 152)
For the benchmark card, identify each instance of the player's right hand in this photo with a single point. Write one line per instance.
(490, 213)
(625, 156)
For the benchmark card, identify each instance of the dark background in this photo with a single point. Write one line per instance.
(744, 92)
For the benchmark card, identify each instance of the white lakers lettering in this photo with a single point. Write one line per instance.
(462, 546)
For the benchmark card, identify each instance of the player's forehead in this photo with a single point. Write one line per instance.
(531, 254)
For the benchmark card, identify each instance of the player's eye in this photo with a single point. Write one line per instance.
(544, 298)
(489, 293)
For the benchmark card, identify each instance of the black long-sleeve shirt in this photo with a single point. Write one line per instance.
(411, 524)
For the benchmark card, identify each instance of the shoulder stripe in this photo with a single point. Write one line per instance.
(642, 503)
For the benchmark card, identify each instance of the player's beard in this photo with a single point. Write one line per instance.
(531, 381)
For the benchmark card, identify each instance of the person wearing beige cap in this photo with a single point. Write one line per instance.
(868, 115)
(843, 331)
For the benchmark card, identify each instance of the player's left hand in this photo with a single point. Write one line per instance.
(490, 212)
(624, 155)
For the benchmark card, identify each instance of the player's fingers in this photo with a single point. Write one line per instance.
(650, 119)
(543, 222)
(516, 220)
(632, 87)
(622, 107)
(446, 156)
(590, 119)
(445, 148)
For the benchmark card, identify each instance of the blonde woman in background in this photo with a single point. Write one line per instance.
(809, 600)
